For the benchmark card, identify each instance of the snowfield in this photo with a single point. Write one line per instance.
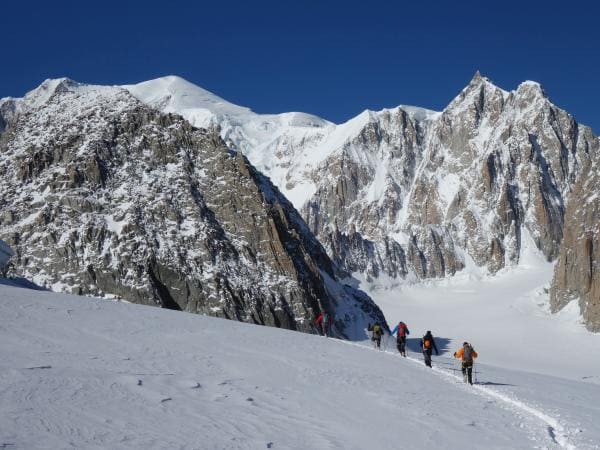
(505, 316)
(87, 373)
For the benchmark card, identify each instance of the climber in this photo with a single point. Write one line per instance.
(324, 321)
(402, 331)
(376, 333)
(467, 354)
(428, 345)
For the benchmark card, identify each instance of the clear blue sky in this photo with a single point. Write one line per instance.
(333, 59)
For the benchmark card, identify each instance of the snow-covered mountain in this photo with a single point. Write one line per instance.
(103, 195)
(275, 143)
(409, 193)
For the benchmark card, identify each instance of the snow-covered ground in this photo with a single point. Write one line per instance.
(506, 317)
(86, 373)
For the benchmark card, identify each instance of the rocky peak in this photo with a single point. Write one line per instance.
(531, 88)
(47, 89)
(478, 100)
(106, 196)
(421, 195)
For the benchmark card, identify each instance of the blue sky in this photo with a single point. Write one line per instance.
(333, 59)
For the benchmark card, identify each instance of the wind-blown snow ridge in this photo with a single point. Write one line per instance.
(175, 94)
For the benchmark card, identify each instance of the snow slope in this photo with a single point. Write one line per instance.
(507, 317)
(287, 147)
(90, 373)
(270, 141)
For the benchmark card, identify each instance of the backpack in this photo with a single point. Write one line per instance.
(376, 330)
(402, 329)
(426, 344)
(468, 353)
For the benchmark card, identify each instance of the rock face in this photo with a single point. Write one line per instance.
(102, 195)
(5, 254)
(414, 194)
(577, 271)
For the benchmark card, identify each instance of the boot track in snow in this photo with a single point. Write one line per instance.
(556, 431)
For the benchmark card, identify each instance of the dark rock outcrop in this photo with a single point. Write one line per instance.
(101, 195)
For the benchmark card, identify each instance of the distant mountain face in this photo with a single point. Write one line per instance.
(103, 195)
(413, 194)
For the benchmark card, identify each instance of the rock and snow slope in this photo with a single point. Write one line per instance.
(275, 143)
(102, 195)
(89, 373)
(410, 193)
(507, 317)
(404, 193)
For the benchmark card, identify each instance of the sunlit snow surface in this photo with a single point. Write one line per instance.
(506, 316)
(85, 373)
(287, 147)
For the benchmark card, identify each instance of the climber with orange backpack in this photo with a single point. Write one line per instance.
(467, 354)
(428, 345)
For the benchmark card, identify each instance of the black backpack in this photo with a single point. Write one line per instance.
(468, 353)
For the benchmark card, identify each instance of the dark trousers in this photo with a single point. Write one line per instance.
(427, 356)
(377, 340)
(467, 369)
(401, 344)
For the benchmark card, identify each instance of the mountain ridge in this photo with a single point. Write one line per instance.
(386, 191)
(103, 195)
(415, 194)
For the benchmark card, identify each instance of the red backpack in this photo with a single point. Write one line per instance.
(401, 329)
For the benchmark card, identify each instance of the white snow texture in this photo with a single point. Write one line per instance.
(88, 373)
(91, 373)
